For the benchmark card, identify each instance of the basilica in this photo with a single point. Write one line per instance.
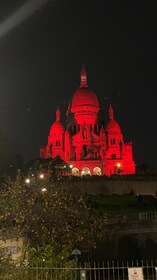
(84, 141)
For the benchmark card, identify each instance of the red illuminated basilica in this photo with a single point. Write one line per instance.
(89, 146)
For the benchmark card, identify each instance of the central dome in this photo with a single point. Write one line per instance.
(84, 97)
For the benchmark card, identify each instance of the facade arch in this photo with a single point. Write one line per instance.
(97, 171)
(86, 171)
(75, 171)
(113, 156)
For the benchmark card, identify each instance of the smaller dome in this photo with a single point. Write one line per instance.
(113, 126)
(57, 128)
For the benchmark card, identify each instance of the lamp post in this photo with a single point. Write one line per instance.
(27, 180)
(82, 274)
(118, 168)
(156, 272)
(76, 253)
(41, 176)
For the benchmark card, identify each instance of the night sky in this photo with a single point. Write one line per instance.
(41, 59)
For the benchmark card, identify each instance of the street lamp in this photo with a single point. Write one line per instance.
(118, 168)
(76, 253)
(44, 190)
(27, 180)
(41, 176)
(82, 274)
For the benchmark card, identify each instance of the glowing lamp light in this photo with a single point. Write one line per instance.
(82, 274)
(71, 166)
(82, 172)
(119, 170)
(27, 181)
(41, 176)
(44, 190)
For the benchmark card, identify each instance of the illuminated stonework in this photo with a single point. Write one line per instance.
(85, 142)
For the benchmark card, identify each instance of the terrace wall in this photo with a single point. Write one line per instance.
(115, 186)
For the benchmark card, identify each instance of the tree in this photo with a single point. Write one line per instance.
(54, 168)
(46, 213)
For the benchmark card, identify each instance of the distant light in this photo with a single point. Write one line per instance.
(41, 176)
(71, 166)
(118, 165)
(27, 181)
(82, 274)
(83, 172)
(44, 190)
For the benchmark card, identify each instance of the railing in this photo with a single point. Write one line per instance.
(111, 270)
(132, 217)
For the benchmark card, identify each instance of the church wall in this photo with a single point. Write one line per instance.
(115, 186)
(89, 164)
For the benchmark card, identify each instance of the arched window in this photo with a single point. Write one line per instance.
(113, 156)
(113, 141)
(75, 171)
(57, 143)
(97, 171)
(84, 150)
(95, 154)
(84, 133)
(86, 171)
(95, 128)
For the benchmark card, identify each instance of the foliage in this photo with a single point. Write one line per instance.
(54, 168)
(49, 256)
(8, 269)
(115, 205)
(44, 263)
(47, 214)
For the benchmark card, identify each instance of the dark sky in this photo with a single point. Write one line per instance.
(41, 58)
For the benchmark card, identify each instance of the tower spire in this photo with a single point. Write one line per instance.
(83, 75)
(110, 111)
(58, 114)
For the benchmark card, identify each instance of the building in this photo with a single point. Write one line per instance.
(91, 147)
(11, 246)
